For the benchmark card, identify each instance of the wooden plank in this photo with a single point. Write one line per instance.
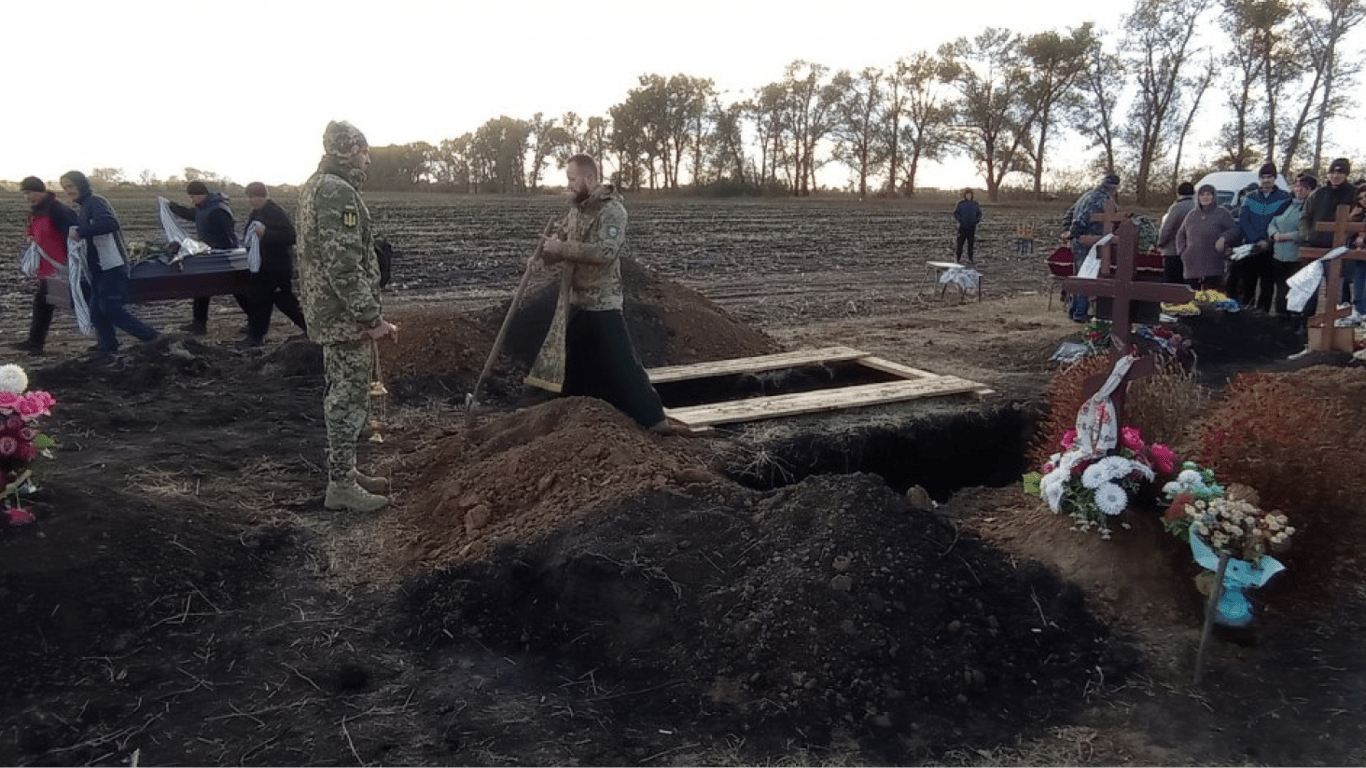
(887, 366)
(753, 364)
(757, 408)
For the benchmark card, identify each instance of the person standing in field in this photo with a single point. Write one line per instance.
(1166, 236)
(273, 284)
(1203, 240)
(339, 284)
(1078, 223)
(588, 350)
(48, 223)
(215, 227)
(106, 259)
(1251, 277)
(967, 214)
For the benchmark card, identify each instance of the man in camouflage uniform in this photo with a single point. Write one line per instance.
(1078, 223)
(588, 350)
(339, 291)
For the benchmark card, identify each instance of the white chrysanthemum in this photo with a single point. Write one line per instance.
(1111, 498)
(1106, 469)
(1053, 485)
(1189, 478)
(13, 379)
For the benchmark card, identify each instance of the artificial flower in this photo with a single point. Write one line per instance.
(18, 516)
(1131, 438)
(1111, 498)
(1164, 458)
(13, 379)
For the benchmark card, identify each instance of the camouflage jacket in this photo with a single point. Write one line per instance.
(1078, 221)
(338, 271)
(594, 233)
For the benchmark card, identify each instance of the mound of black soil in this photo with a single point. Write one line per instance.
(1225, 342)
(828, 610)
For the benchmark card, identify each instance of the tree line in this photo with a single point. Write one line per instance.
(1003, 99)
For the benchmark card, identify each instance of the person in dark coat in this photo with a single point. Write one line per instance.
(1166, 236)
(1251, 279)
(48, 223)
(1204, 238)
(967, 214)
(106, 257)
(273, 285)
(214, 226)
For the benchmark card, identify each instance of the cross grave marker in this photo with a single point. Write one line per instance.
(1323, 333)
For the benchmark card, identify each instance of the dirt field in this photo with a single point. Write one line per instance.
(553, 586)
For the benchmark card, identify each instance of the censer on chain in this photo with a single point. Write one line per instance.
(379, 397)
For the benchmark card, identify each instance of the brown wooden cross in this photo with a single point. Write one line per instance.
(1123, 289)
(1323, 333)
(1110, 218)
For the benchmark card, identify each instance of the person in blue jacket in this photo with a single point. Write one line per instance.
(1252, 279)
(107, 258)
(967, 214)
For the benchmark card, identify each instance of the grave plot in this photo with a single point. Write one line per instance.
(704, 395)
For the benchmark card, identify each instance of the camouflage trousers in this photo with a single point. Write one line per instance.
(346, 404)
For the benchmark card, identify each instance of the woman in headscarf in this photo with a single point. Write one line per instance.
(1204, 239)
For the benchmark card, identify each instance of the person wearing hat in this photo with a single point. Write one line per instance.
(339, 285)
(1166, 236)
(214, 226)
(967, 214)
(106, 260)
(1077, 223)
(1251, 280)
(1284, 233)
(48, 222)
(1321, 206)
(273, 284)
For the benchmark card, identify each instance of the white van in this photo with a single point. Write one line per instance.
(1230, 187)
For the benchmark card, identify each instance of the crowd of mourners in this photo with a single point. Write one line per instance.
(1249, 253)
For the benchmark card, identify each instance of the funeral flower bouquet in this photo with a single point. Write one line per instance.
(1205, 298)
(1096, 489)
(1228, 521)
(20, 440)
(1096, 336)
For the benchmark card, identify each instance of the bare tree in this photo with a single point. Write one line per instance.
(1158, 48)
(992, 119)
(1056, 63)
(920, 130)
(1095, 112)
(1201, 85)
(858, 121)
(809, 117)
(1325, 23)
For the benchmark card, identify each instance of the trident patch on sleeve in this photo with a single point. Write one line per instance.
(613, 231)
(350, 218)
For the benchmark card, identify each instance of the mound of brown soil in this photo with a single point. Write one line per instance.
(525, 474)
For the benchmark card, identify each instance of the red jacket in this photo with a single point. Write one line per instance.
(48, 223)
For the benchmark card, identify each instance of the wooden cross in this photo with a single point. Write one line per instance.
(1323, 332)
(1110, 218)
(1123, 289)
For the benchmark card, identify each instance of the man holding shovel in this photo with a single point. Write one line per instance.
(588, 349)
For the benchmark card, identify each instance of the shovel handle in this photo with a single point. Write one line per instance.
(473, 400)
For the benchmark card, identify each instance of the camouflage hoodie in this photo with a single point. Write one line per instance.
(594, 233)
(338, 272)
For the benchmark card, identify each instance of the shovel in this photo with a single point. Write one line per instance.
(472, 399)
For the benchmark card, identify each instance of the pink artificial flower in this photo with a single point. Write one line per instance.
(8, 445)
(18, 516)
(28, 433)
(30, 407)
(8, 400)
(1069, 437)
(1164, 458)
(1048, 467)
(14, 422)
(46, 399)
(25, 451)
(1131, 438)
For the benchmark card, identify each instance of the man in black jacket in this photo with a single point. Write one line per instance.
(214, 226)
(274, 283)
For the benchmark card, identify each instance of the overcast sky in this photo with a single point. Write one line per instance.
(244, 88)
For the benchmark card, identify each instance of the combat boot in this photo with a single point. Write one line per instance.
(372, 483)
(347, 495)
